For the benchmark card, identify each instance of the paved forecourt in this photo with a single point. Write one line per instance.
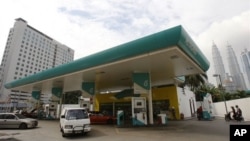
(187, 130)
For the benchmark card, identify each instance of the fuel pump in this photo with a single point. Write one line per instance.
(139, 111)
(120, 117)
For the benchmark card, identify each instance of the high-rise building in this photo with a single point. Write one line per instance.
(245, 57)
(234, 68)
(219, 68)
(29, 51)
(218, 65)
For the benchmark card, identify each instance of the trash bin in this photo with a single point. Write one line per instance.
(182, 116)
(162, 119)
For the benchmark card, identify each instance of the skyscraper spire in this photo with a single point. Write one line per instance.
(218, 64)
(245, 56)
(234, 69)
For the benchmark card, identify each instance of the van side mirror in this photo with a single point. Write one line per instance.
(62, 116)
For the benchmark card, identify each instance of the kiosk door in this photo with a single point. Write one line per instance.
(139, 111)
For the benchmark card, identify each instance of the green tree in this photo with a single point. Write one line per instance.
(242, 94)
(71, 97)
(205, 88)
(238, 94)
(194, 82)
(227, 96)
(221, 94)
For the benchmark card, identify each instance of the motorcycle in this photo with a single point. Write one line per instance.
(236, 118)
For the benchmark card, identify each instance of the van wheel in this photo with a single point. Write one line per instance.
(85, 133)
(63, 134)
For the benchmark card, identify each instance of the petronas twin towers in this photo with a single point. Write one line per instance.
(234, 80)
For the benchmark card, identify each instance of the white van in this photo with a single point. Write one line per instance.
(74, 121)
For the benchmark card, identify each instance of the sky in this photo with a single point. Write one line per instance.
(90, 26)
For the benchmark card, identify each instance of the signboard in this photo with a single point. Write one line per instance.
(88, 87)
(141, 83)
(57, 92)
(36, 95)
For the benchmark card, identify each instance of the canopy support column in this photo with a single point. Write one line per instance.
(150, 107)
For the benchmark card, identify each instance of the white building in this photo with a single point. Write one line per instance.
(29, 51)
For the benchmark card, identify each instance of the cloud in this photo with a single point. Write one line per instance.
(234, 31)
(92, 26)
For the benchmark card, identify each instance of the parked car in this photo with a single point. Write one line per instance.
(34, 113)
(101, 118)
(14, 120)
(30, 114)
(74, 121)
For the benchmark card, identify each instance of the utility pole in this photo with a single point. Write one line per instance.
(221, 88)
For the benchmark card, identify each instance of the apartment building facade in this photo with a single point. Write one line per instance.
(29, 51)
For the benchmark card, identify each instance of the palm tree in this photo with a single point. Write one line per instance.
(195, 81)
(71, 97)
(216, 94)
(204, 89)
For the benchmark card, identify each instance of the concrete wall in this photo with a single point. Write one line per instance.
(186, 101)
(244, 104)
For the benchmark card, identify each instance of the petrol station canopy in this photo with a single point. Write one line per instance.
(165, 55)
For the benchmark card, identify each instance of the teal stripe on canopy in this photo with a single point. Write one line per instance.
(175, 36)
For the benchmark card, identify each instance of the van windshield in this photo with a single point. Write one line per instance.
(74, 114)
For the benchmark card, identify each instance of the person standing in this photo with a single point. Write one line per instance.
(238, 113)
(199, 113)
(173, 113)
(233, 112)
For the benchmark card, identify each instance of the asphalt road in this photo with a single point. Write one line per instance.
(187, 130)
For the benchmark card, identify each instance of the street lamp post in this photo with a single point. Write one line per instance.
(218, 75)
